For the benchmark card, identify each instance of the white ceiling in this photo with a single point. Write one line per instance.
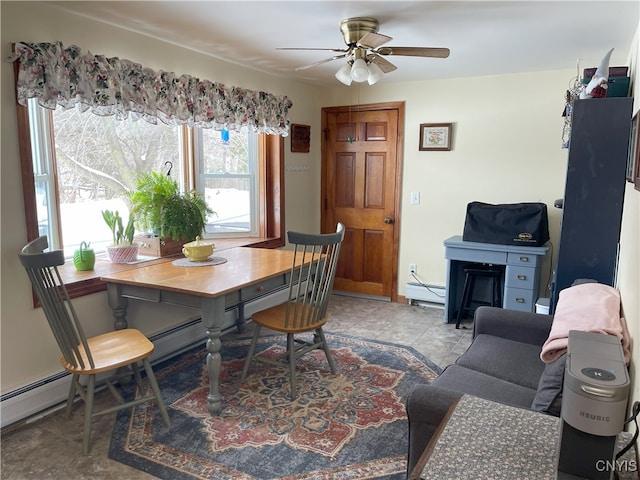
(485, 38)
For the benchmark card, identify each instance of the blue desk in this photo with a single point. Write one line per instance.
(521, 272)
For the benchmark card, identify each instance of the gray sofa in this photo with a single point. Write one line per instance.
(502, 364)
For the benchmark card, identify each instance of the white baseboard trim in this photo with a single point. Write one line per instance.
(31, 401)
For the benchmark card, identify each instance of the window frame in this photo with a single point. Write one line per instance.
(271, 215)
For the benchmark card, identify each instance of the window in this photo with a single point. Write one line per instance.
(85, 163)
(75, 165)
(227, 174)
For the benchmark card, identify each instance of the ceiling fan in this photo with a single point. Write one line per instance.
(365, 52)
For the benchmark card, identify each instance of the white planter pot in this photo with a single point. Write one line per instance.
(123, 253)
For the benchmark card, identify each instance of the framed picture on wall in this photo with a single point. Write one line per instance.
(637, 165)
(632, 161)
(435, 136)
(300, 138)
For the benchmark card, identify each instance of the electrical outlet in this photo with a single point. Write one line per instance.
(413, 268)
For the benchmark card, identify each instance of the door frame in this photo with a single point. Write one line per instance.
(399, 106)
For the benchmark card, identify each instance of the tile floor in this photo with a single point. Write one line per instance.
(51, 447)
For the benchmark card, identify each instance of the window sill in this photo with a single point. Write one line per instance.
(85, 283)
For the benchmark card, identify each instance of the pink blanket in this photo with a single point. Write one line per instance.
(590, 307)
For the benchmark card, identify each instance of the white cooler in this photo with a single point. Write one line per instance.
(542, 306)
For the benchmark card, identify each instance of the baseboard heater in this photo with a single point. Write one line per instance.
(32, 401)
(422, 292)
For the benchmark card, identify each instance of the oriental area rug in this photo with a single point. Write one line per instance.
(347, 426)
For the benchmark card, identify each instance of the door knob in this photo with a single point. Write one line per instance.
(388, 220)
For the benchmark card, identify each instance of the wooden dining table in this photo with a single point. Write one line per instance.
(245, 274)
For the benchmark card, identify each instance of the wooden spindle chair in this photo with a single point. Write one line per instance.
(82, 356)
(312, 274)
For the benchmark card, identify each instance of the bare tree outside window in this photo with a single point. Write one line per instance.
(97, 160)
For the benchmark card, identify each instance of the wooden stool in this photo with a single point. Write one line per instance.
(471, 274)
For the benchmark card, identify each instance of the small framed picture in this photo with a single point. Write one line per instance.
(435, 136)
(632, 161)
(300, 138)
(636, 175)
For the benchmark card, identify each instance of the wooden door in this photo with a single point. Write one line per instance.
(361, 172)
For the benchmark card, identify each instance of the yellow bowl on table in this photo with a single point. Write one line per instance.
(198, 251)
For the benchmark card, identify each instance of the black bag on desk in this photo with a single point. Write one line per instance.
(507, 224)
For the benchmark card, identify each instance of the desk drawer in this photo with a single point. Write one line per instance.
(263, 288)
(519, 299)
(141, 293)
(475, 256)
(522, 259)
(520, 277)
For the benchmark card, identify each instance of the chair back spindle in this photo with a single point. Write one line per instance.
(312, 275)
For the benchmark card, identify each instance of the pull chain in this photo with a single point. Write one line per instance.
(351, 138)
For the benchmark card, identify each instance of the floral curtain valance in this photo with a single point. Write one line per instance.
(56, 75)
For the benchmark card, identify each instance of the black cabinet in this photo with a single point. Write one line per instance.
(594, 192)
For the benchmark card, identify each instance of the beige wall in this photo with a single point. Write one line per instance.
(506, 148)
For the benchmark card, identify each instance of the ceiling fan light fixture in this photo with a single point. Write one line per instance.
(375, 73)
(364, 46)
(344, 74)
(359, 70)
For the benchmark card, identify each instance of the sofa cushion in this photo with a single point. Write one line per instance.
(508, 360)
(514, 362)
(548, 397)
(461, 379)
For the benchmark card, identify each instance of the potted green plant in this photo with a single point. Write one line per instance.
(123, 249)
(167, 217)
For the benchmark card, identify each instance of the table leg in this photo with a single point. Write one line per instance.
(118, 305)
(241, 321)
(213, 317)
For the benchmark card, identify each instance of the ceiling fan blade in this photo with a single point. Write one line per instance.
(414, 51)
(326, 60)
(385, 65)
(323, 49)
(373, 40)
